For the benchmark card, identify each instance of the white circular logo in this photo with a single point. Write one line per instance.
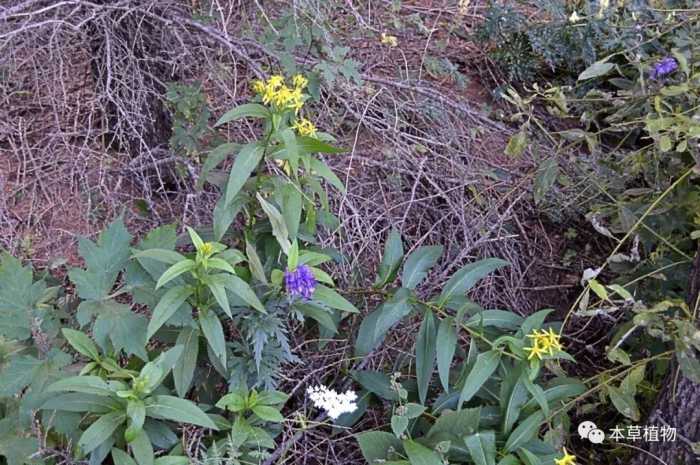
(596, 436)
(585, 428)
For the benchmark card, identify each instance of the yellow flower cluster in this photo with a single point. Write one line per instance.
(275, 92)
(543, 343)
(304, 127)
(567, 459)
(389, 40)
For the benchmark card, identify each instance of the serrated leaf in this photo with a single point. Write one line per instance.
(125, 329)
(19, 294)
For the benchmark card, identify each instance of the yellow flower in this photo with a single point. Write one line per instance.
(304, 127)
(535, 352)
(259, 86)
(300, 82)
(275, 81)
(545, 342)
(389, 40)
(207, 249)
(567, 459)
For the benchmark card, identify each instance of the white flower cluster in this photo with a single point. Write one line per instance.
(333, 403)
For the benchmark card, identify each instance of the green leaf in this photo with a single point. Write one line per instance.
(375, 382)
(279, 227)
(517, 397)
(509, 459)
(376, 444)
(85, 384)
(244, 291)
(376, 324)
(104, 260)
(329, 297)
(124, 328)
(18, 373)
(534, 321)
(418, 263)
(220, 264)
(482, 447)
(268, 413)
(247, 110)
(485, 366)
(313, 145)
(537, 393)
(81, 343)
(81, 402)
(414, 410)
(142, 449)
(399, 423)
(172, 460)
(183, 371)
(547, 174)
(18, 297)
(225, 213)
(393, 253)
(291, 209)
(175, 271)
(166, 308)
(419, 454)
(446, 346)
(233, 401)
(517, 144)
(100, 430)
(425, 354)
(624, 403)
(256, 267)
(528, 457)
(120, 457)
(178, 410)
(216, 286)
(524, 432)
(455, 424)
(136, 413)
(214, 157)
(246, 161)
(325, 172)
(291, 149)
(597, 69)
(161, 255)
(502, 319)
(463, 280)
(214, 334)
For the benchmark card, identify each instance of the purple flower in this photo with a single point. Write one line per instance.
(300, 282)
(664, 67)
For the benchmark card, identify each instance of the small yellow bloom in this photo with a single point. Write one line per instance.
(304, 127)
(300, 82)
(535, 352)
(567, 459)
(275, 81)
(258, 86)
(389, 40)
(207, 249)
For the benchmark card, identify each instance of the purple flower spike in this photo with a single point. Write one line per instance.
(300, 282)
(664, 67)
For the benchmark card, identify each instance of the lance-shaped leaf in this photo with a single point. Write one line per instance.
(100, 430)
(247, 110)
(279, 227)
(167, 306)
(178, 410)
(174, 271)
(244, 164)
(425, 354)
